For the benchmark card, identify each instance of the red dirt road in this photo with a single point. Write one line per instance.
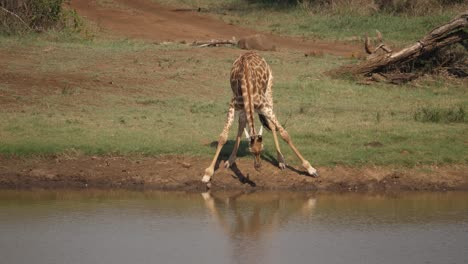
(147, 20)
(143, 19)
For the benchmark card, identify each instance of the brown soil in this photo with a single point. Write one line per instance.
(184, 173)
(144, 19)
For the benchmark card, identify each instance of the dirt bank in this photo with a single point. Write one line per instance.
(143, 19)
(184, 173)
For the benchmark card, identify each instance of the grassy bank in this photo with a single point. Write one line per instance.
(132, 98)
(343, 20)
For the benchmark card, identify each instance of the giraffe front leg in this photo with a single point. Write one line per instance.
(233, 157)
(281, 161)
(221, 141)
(310, 170)
(285, 135)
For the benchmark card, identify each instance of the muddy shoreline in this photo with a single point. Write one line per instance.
(184, 174)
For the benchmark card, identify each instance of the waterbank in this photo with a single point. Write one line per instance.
(184, 173)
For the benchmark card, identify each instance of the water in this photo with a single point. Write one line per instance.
(158, 227)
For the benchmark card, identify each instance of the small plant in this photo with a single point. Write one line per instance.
(456, 115)
(437, 115)
(151, 102)
(304, 108)
(67, 90)
(202, 108)
(72, 121)
(71, 21)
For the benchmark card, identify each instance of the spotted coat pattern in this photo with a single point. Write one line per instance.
(251, 84)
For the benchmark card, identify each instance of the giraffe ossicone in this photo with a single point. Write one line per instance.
(247, 135)
(251, 84)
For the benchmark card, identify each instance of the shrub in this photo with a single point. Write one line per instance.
(17, 16)
(437, 115)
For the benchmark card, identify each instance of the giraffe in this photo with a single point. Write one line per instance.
(251, 84)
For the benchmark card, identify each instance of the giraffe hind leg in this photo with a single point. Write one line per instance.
(233, 157)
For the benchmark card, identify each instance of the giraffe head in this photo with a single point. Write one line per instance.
(256, 147)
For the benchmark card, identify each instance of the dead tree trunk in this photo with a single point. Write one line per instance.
(442, 36)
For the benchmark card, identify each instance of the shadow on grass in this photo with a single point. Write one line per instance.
(229, 146)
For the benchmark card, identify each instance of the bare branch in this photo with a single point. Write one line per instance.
(15, 15)
(379, 36)
(368, 47)
(367, 44)
(213, 43)
(383, 47)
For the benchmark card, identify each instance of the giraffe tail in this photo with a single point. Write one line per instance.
(264, 122)
(247, 97)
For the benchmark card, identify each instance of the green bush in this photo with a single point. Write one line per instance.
(437, 115)
(45, 13)
(18, 16)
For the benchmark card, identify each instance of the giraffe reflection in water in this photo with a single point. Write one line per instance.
(250, 219)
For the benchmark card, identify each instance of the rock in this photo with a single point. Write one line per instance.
(256, 42)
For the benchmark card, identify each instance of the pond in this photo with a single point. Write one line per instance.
(96, 226)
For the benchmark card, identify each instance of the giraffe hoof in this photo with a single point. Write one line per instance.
(282, 165)
(312, 172)
(227, 164)
(206, 178)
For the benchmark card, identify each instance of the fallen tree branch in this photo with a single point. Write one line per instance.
(447, 34)
(383, 47)
(187, 9)
(15, 15)
(214, 43)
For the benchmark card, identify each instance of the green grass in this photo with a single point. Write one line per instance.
(132, 98)
(436, 115)
(325, 24)
(400, 29)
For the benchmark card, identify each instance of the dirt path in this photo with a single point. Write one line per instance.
(184, 173)
(143, 19)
